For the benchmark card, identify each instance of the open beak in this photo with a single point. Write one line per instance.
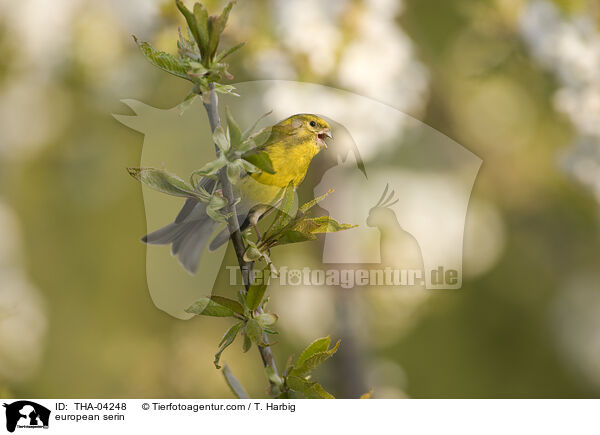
(321, 138)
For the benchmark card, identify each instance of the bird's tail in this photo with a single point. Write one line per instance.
(187, 238)
(219, 239)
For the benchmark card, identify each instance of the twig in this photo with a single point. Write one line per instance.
(246, 267)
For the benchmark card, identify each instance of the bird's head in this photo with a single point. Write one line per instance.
(311, 124)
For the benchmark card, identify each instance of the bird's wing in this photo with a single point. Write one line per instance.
(190, 204)
(270, 135)
(262, 138)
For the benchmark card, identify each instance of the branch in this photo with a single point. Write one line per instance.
(212, 110)
(233, 225)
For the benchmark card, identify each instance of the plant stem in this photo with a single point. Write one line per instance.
(246, 268)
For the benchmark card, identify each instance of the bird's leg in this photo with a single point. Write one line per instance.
(259, 213)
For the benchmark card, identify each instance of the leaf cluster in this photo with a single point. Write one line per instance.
(287, 227)
(170, 184)
(237, 151)
(198, 60)
(238, 154)
(297, 376)
(252, 322)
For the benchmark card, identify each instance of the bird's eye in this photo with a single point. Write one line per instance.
(313, 124)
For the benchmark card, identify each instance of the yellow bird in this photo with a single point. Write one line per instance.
(291, 146)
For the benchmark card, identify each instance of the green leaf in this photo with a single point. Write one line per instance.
(296, 383)
(241, 296)
(235, 135)
(261, 160)
(313, 361)
(310, 204)
(234, 169)
(234, 384)
(208, 307)
(212, 167)
(220, 139)
(319, 345)
(226, 341)
(225, 89)
(288, 364)
(197, 70)
(217, 201)
(286, 229)
(223, 54)
(252, 254)
(190, 20)
(162, 60)
(311, 390)
(265, 300)
(212, 210)
(217, 216)
(199, 79)
(255, 293)
(222, 19)
(248, 167)
(255, 332)
(284, 211)
(165, 182)
(304, 229)
(216, 25)
(272, 376)
(326, 224)
(235, 306)
(316, 391)
(201, 20)
(187, 102)
(287, 202)
(188, 47)
(213, 36)
(247, 343)
(266, 319)
(220, 71)
(261, 137)
(294, 237)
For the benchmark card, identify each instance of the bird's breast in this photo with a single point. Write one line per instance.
(290, 164)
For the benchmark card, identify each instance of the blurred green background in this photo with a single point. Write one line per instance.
(514, 81)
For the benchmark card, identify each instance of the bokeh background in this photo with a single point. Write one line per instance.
(516, 82)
